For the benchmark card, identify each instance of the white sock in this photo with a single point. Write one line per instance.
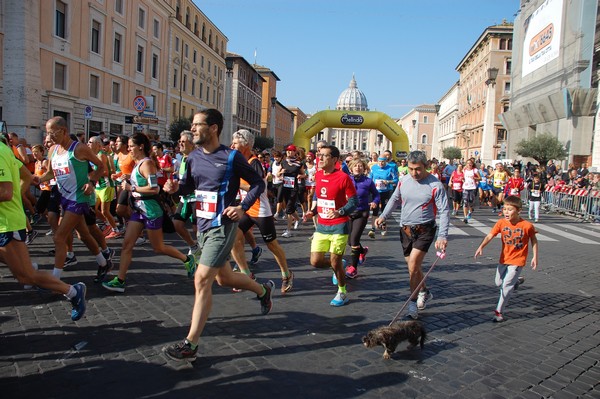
(72, 292)
(100, 259)
(56, 272)
(70, 254)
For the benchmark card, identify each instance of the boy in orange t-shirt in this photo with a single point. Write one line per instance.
(516, 233)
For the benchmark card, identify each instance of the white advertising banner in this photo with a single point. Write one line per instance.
(542, 35)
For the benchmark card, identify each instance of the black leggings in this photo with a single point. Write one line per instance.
(358, 222)
(384, 197)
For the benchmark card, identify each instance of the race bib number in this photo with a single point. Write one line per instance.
(380, 184)
(324, 206)
(289, 181)
(535, 193)
(456, 186)
(206, 204)
(310, 183)
(498, 183)
(514, 191)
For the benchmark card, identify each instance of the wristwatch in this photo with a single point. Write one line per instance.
(341, 211)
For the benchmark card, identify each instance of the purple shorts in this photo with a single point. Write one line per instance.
(74, 207)
(150, 224)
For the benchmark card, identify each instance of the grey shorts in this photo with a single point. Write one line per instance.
(216, 244)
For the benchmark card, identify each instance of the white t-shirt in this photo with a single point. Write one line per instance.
(470, 183)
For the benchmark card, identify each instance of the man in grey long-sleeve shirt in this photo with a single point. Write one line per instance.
(421, 196)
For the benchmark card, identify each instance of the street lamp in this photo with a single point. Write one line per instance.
(414, 134)
(487, 137)
(228, 128)
(273, 104)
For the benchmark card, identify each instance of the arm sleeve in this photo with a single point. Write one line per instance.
(441, 202)
(186, 183)
(374, 193)
(394, 201)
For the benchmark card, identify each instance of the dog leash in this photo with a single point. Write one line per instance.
(440, 255)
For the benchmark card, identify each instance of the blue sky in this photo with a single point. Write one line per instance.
(402, 52)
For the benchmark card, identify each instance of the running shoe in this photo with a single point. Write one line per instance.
(371, 233)
(351, 272)
(182, 351)
(363, 256)
(78, 301)
(498, 318)
(114, 285)
(256, 252)
(70, 261)
(466, 220)
(287, 283)
(469, 215)
(109, 255)
(296, 224)
(52, 252)
(140, 241)
(190, 265)
(286, 234)
(31, 235)
(106, 230)
(340, 299)
(49, 233)
(103, 271)
(35, 218)
(454, 212)
(413, 311)
(266, 301)
(422, 299)
(114, 234)
(384, 232)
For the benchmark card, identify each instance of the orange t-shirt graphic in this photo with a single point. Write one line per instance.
(515, 240)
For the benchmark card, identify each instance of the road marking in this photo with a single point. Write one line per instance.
(478, 226)
(574, 237)
(455, 231)
(587, 232)
(539, 236)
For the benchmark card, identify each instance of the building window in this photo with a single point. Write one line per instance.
(156, 29)
(119, 6)
(184, 83)
(424, 139)
(115, 129)
(61, 19)
(207, 93)
(174, 110)
(95, 46)
(153, 102)
(94, 86)
(140, 59)
(425, 119)
(508, 67)
(506, 87)
(201, 90)
(176, 44)
(208, 70)
(116, 93)
(60, 76)
(155, 66)
(138, 92)
(175, 78)
(201, 61)
(193, 87)
(142, 18)
(185, 51)
(117, 47)
(195, 56)
(502, 135)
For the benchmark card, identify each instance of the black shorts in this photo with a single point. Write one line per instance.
(457, 196)
(123, 198)
(54, 200)
(90, 217)
(418, 237)
(6, 238)
(265, 225)
(42, 203)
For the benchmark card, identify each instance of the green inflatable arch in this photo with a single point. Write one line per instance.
(354, 120)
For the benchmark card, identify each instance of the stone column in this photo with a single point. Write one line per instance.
(487, 137)
(596, 139)
(22, 98)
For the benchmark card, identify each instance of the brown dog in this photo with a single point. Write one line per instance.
(390, 337)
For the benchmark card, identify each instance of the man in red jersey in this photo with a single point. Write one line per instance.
(336, 199)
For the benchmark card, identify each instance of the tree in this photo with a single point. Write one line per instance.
(178, 126)
(542, 148)
(452, 153)
(262, 143)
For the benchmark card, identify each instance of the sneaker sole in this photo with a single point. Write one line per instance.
(114, 289)
(338, 304)
(183, 359)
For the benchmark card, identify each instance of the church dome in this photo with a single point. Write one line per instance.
(352, 99)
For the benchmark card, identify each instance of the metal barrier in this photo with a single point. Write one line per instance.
(581, 203)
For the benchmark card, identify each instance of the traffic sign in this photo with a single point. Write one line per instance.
(139, 103)
(87, 112)
(476, 152)
(145, 120)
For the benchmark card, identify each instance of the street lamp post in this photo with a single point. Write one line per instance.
(488, 139)
(415, 134)
(272, 122)
(228, 122)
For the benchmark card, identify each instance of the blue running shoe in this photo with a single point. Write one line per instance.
(340, 299)
(256, 252)
(78, 302)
